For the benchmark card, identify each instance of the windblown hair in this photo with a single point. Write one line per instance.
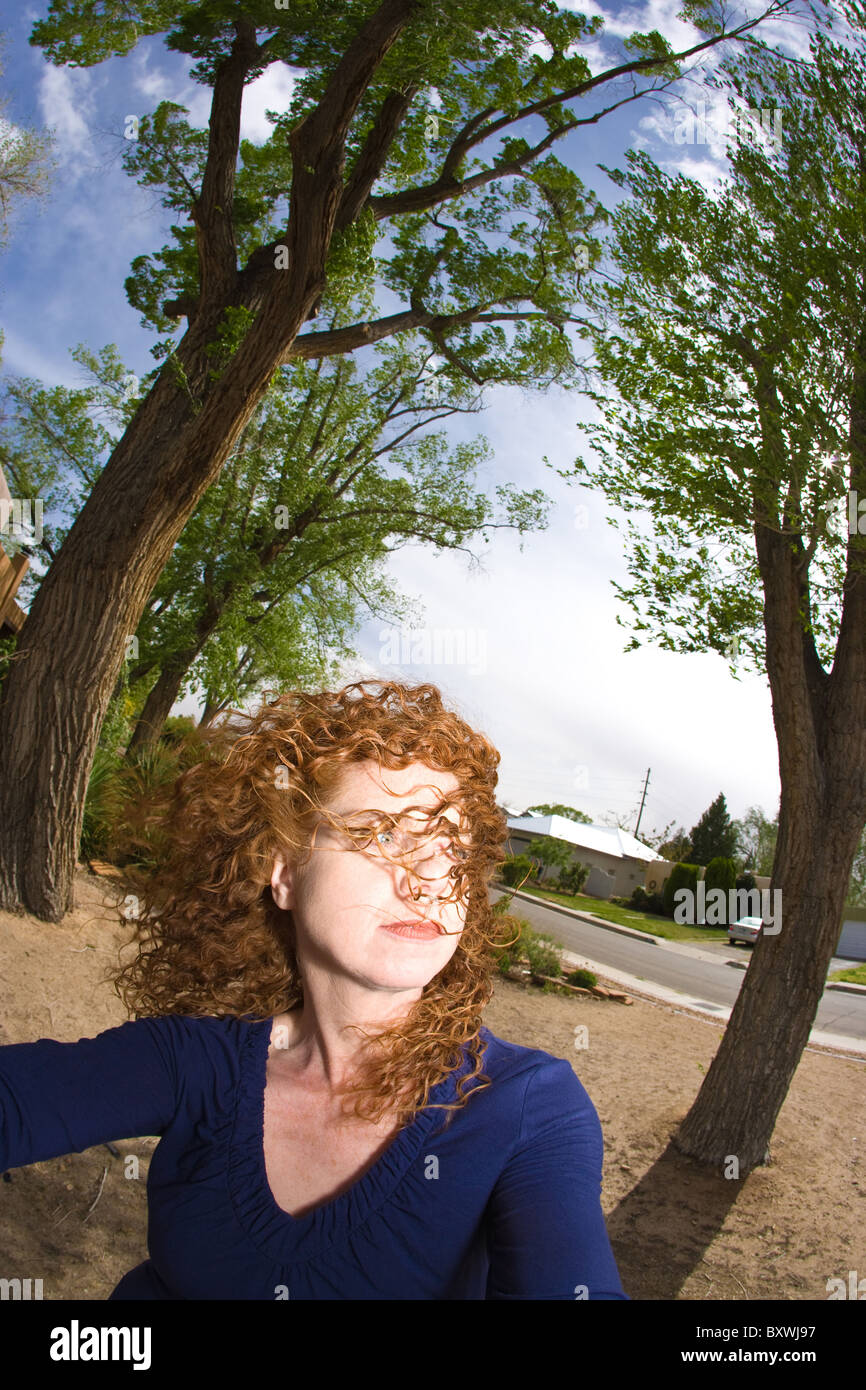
(212, 941)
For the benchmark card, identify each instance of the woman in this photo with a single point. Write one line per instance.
(314, 957)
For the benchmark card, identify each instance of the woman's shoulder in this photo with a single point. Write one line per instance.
(550, 1078)
(538, 1091)
(190, 1039)
(514, 1059)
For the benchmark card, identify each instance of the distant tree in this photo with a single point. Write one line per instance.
(516, 869)
(574, 877)
(756, 840)
(720, 873)
(857, 882)
(549, 808)
(680, 876)
(714, 835)
(26, 164)
(552, 853)
(676, 847)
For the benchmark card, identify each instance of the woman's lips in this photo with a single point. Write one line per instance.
(415, 930)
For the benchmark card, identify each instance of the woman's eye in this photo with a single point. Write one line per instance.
(384, 835)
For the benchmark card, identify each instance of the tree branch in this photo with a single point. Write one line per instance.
(374, 153)
(445, 188)
(212, 211)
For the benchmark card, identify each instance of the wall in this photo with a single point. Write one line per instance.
(627, 873)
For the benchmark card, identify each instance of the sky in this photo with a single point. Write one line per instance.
(526, 644)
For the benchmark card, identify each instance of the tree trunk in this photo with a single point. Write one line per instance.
(736, 1108)
(73, 643)
(820, 721)
(211, 709)
(55, 697)
(157, 706)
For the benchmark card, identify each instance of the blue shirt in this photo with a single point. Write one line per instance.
(500, 1202)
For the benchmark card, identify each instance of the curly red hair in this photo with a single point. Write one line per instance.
(212, 941)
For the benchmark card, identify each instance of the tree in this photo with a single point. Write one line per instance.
(547, 808)
(857, 883)
(720, 873)
(284, 552)
(26, 165)
(487, 230)
(756, 840)
(714, 835)
(675, 846)
(681, 876)
(551, 852)
(739, 357)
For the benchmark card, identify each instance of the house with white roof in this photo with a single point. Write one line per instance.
(617, 861)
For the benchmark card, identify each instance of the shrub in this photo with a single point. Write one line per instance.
(541, 953)
(680, 876)
(126, 801)
(585, 978)
(574, 877)
(99, 805)
(516, 868)
(507, 957)
(177, 728)
(720, 873)
(647, 902)
(746, 880)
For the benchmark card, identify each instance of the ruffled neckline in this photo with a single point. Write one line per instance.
(277, 1232)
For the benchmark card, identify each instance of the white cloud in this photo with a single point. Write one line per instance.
(270, 92)
(642, 19)
(22, 358)
(64, 96)
(156, 86)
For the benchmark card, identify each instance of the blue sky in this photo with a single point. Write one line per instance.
(527, 648)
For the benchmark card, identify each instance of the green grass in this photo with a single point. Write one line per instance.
(628, 917)
(857, 976)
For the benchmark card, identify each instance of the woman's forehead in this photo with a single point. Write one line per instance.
(365, 786)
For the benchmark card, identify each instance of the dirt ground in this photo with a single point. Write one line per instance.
(678, 1231)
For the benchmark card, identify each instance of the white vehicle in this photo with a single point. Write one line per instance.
(745, 929)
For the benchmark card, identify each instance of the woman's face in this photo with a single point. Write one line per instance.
(343, 900)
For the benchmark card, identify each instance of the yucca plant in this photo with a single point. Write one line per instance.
(99, 805)
(140, 792)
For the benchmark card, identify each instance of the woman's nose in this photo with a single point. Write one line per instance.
(429, 877)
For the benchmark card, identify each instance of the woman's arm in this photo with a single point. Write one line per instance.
(546, 1233)
(58, 1098)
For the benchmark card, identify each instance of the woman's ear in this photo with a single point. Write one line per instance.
(283, 883)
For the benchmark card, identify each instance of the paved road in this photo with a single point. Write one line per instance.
(698, 978)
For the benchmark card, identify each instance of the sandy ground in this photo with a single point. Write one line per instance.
(678, 1231)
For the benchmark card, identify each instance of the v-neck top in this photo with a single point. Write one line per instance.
(500, 1199)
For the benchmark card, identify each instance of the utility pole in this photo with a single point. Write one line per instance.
(642, 800)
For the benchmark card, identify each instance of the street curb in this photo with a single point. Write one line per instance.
(649, 939)
(838, 1044)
